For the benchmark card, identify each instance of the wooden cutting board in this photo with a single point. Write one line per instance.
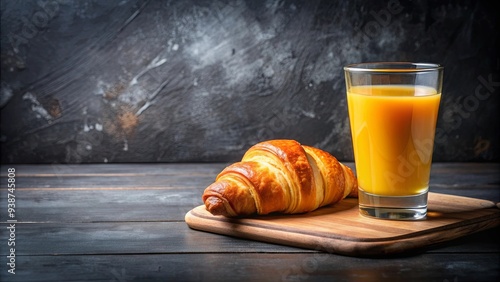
(341, 229)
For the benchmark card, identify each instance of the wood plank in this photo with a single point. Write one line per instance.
(194, 180)
(93, 205)
(112, 182)
(68, 205)
(255, 267)
(113, 169)
(78, 248)
(175, 237)
(456, 169)
(465, 174)
(97, 205)
(124, 238)
(341, 229)
(484, 241)
(460, 174)
(124, 203)
(485, 192)
(201, 181)
(149, 198)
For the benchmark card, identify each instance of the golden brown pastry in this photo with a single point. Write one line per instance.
(279, 176)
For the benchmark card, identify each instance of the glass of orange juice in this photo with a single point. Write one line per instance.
(393, 109)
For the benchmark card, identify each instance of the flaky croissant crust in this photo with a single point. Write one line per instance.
(279, 176)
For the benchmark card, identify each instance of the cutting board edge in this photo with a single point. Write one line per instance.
(340, 245)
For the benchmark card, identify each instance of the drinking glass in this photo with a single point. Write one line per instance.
(393, 109)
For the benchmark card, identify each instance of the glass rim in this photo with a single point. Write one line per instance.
(393, 67)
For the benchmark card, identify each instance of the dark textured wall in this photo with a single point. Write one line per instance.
(165, 81)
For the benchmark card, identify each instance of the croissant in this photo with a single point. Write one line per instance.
(280, 176)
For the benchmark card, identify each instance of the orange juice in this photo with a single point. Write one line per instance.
(393, 130)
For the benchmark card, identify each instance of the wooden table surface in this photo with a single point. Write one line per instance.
(125, 222)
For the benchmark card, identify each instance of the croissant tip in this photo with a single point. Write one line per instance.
(215, 206)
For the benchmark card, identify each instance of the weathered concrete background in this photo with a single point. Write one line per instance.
(191, 81)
